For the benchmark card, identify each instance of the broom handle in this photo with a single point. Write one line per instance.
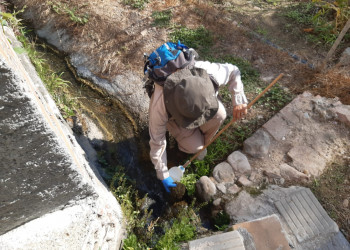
(232, 121)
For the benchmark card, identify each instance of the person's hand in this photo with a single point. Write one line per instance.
(168, 183)
(239, 111)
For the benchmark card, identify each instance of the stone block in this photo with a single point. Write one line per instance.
(289, 115)
(223, 172)
(244, 181)
(305, 216)
(267, 233)
(234, 189)
(221, 187)
(230, 240)
(257, 145)
(51, 196)
(291, 174)
(277, 127)
(239, 162)
(306, 159)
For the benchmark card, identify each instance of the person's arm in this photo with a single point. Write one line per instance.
(158, 118)
(228, 74)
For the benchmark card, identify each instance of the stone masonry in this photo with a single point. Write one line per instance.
(51, 195)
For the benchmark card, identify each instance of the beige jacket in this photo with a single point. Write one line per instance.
(158, 117)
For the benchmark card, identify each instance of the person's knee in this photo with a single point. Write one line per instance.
(191, 147)
(221, 114)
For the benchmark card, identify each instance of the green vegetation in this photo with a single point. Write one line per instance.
(182, 229)
(200, 38)
(56, 86)
(72, 12)
(53, 81)
(276, 98)
(321, 20)
(221, 221)
(140, 226)
(137, 4)
(162, 18)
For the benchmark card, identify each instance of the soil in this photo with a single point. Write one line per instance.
(117, 35)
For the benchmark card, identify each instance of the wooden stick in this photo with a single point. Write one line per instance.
(335, 45)
(232, 121)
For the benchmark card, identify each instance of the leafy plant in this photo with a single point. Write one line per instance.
(276, 98)
(182, 229)
(221, 221)
(162, 18)
(189, 180)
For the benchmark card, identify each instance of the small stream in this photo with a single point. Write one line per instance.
(122, 143)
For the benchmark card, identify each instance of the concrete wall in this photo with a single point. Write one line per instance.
(51, 196)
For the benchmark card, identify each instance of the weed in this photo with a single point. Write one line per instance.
(137, 4)
(123, 189)
(189, 180)
(52, 80)
(62, 8)
(276, 98)
(323, 20)
(262, 31)
(200, 38)
(162, 18)
(221, 221)
(182, 229)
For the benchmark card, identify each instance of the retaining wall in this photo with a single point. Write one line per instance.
(51, 195)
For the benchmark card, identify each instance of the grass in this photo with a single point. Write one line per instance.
(321, 21)
(72, 12)
(53, 81)
(162, 18)
(200, 38)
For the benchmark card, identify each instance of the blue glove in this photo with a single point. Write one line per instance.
(168, 183)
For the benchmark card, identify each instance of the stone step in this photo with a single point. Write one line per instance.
(230, 240)
(266, 233)
(305, 216)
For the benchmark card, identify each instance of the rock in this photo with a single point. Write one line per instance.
(223, 172)
(307, 159)
(233, 189)
(345, 58)
(217, 202)
(343, 114)
(239, 162)
(277, 127)
(291, 174)
(206, 189)
(244, 181)
(346, 203)
(221, 187)
(258, 144)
